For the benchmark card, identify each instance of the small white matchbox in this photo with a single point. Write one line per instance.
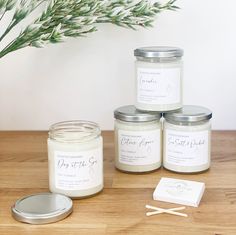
(179, 191)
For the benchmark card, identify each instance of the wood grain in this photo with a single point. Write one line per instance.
(120, 208)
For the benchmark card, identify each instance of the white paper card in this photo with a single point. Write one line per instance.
(179, 191)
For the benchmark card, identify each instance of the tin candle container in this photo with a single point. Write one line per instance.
(75, 157)
(137, 140)
(158, 78)
(187, 140)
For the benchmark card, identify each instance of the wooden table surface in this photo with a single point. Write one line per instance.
(120, 208)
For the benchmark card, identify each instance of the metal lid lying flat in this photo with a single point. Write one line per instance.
(42, 208)
(158, 52)
(130, 114)
(189, 113)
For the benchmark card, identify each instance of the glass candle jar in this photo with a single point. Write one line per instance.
(187, 140)
(158, 78)
(75, 156)
(137, 140)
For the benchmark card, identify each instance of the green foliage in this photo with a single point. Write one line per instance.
(62, 19)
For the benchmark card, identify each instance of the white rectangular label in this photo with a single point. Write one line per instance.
(159, 86)
(139, 147)
(187, 148)
(78, 170)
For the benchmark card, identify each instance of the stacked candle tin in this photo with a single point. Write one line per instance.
(159, 129)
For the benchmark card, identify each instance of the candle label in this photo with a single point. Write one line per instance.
(78, 170)
(186, 148)
(139, 147)
(158, 86)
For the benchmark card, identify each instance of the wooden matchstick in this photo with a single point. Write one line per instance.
(159, 212)
(169, 211)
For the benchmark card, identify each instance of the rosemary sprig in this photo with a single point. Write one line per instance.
(75, 18)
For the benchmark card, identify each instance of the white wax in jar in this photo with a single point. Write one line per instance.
(187, 148)
(76, 169)
(137, 146)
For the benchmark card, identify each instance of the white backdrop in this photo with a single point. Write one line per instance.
(88, 78)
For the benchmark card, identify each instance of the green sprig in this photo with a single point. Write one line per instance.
(62, 19)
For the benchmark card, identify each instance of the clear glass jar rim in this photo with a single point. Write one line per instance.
(159, 59)
(74, 131)
(186, 123)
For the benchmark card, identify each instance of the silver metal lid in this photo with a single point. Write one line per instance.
(42, 208)
(189, 113)
(158, 52)
(130, 114)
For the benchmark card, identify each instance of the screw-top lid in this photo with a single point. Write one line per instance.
(158, 52)
(189, 113)
(130, 114)
(42, 208)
